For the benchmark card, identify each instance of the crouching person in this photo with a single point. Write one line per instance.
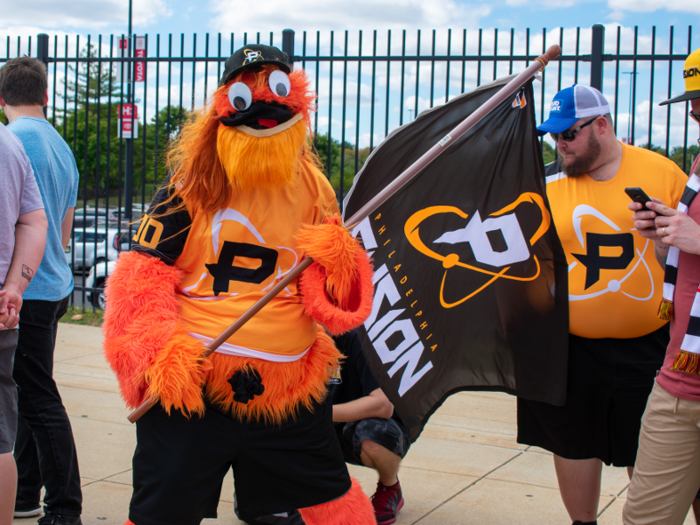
(370, 432)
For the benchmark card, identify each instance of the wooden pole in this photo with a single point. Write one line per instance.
(410, 172)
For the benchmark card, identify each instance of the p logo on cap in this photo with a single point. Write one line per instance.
(556, 106)
(252, 56)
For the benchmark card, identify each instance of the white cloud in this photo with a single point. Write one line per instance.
(323, 15)
(647, 6)
(82, 13)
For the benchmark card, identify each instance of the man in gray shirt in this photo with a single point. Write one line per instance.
(45, 450)
(23, 228)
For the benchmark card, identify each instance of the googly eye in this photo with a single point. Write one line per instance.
(279, 83)
(239, 96)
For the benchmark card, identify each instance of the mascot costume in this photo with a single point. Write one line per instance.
(244, 203)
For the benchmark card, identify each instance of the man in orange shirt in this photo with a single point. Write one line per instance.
(616, 341)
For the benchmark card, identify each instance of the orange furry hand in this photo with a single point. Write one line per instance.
(141, 316)
(332, 246)
(175, 377)
(337, 289)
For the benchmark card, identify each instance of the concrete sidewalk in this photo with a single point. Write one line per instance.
(465, 468)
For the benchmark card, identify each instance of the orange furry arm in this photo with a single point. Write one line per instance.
(337, 289)
(144, 342)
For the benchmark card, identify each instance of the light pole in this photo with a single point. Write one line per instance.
(629, 117)
(129, 171)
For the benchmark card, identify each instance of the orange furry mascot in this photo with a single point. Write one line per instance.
(244, 204)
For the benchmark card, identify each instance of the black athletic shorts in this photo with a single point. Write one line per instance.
(179, 465)
(389, 433)
(609, 381)
(8, 391)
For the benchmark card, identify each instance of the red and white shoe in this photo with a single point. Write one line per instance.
(387, 502)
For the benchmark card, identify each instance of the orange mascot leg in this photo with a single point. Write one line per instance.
(354, 508)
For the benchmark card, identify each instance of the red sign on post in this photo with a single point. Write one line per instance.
(140, 52)
(123, 43)
(128, 121)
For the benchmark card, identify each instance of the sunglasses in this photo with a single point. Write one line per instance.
(694, 116)
(570, 134)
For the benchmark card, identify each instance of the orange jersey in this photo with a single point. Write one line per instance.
(231, 258)
(615, 282)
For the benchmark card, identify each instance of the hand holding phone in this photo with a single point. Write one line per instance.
(638, 195)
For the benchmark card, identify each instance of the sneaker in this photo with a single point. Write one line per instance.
(26, 509)
(387, 502)
(51, 518)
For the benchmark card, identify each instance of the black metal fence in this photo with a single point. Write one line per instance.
(368, 84)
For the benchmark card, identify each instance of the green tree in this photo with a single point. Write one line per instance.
(547, 153)
(90, 126)
(657, 149)
(160, 132)
(89, 122)
(348, 161)
(677, 156)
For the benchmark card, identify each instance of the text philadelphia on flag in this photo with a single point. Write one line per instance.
(470, 277)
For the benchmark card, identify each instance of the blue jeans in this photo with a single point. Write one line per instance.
(45, 449)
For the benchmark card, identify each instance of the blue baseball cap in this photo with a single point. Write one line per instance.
(571, 104)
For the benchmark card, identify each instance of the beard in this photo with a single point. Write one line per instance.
(581, 164)
(261, 161)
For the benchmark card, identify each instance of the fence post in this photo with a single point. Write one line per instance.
(597, 48)
(288, 43)
(42, 54)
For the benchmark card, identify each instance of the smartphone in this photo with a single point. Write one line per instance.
(638, 195)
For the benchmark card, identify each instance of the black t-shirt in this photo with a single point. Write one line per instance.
(162, 233)
(354, 379)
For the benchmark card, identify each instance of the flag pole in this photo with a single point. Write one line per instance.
(379, 199)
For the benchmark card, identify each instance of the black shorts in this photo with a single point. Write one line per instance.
(8, 391)
(179, 465)
(609, 381)
(389, 433)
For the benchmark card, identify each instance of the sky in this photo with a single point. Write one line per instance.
(178, 16)
(152, 17)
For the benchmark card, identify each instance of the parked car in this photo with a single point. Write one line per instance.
(84, 222)
(121, 241)
(137, 210)
(94, 244)
(99, 214)
(96, 279)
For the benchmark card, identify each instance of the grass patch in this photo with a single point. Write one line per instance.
(84, 316)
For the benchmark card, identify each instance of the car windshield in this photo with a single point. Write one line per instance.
(89, 236)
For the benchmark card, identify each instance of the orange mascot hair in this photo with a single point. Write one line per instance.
(198, 174)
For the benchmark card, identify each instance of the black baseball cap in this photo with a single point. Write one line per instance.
(254, 55)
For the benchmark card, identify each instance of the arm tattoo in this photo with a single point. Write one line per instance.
(27, 273)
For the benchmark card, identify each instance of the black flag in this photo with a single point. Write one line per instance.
(471, 283)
